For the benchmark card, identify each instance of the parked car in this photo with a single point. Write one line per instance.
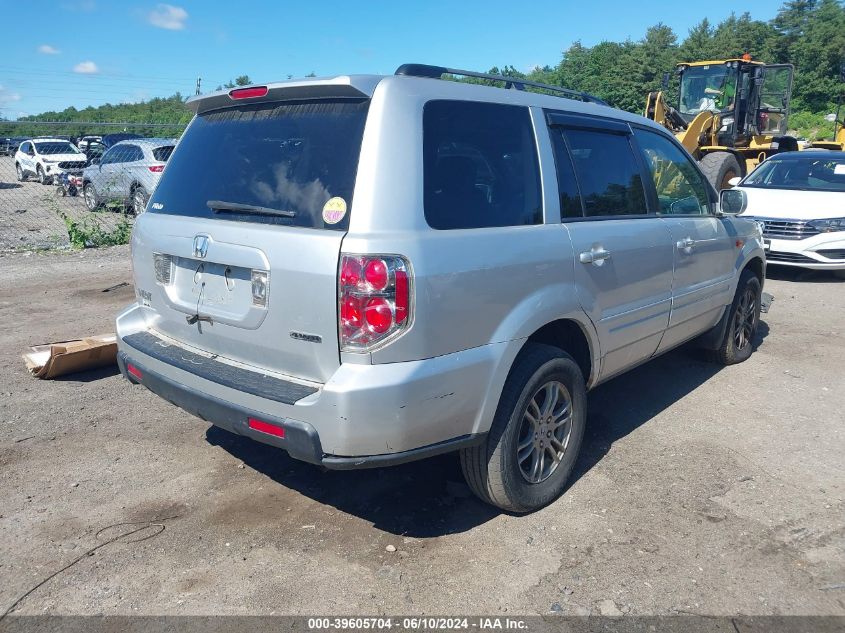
(9, 145)
(45, 158)
(86, 141)
(126, 173)
(799, 200)
(94, 150)
(380, 269)
(113, 139)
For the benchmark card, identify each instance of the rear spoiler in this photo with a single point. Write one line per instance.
(344, 86)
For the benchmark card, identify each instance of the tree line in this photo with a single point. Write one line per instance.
(810, 34)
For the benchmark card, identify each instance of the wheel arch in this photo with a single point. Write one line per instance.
(756, 265)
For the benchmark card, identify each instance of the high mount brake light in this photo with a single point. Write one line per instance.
(374, 300)
(248, 93)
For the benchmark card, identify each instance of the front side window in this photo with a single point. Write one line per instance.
(608, 173)
(480, 166)
(711, 88)
(680, 188)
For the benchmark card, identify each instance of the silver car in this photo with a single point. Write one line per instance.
(127, 173)
(367, 270)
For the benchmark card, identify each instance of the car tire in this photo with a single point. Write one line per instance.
(42, 177)
(90, 195)
(139, 200)
(719, 168)
(737, 343)
(542, 411)
(21, 174)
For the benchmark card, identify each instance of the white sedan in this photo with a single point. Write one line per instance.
(799, 200)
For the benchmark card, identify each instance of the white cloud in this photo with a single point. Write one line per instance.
(7, 96)
(86, 68)
(166, 16)
(46, 49)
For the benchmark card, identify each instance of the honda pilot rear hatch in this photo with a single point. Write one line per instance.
(238, 253)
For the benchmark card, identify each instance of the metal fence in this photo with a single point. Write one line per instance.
(77, 184)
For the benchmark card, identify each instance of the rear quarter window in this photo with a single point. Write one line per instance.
(162, 153)
(480, 166)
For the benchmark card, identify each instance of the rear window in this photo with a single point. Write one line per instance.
(163, 153)
(480, 166)
(275, 163)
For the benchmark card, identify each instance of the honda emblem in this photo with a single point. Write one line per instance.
(200, 246)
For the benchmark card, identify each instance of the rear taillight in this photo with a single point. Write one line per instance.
(156, 169)
(374, 299)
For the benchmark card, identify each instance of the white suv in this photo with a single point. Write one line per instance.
(46, 158)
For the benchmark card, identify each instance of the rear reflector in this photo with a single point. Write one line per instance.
(156, 169)
(134, 371)
(266, 427)
(248, 93)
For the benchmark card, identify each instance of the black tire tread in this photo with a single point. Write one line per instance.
(716, 164)
(725, 354)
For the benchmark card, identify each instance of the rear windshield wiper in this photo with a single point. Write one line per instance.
(221, 205)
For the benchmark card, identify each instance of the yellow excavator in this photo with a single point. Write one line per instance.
(731, 114)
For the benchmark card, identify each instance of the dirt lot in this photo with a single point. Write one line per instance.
(30, 212)
(699, 490)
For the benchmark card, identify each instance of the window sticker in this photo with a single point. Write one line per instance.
(334, 210)
(839, 169)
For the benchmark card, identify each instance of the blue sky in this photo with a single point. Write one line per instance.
(89, 52)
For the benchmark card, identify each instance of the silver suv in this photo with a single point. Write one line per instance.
(368, 270)
(127, 173)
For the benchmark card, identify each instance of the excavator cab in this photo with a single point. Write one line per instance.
(750, 99)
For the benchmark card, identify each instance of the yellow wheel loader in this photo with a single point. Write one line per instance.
(731, 114)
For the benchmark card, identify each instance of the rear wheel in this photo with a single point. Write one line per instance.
(743, 319)
(139, 200)
(534, 440)
(719, 168)
(90, 195)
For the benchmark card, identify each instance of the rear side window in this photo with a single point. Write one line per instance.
(608, 173)
(480, 166)
(273, 163)
(161, 154)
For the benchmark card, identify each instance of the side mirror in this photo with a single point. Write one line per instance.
(665, 82)
(95, 160)
(732, 201)
(830, 118)
(733, 182)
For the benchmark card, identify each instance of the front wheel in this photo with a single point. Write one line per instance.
(719, 168)
(743, 319)
(21, 175)
(42, 177)
(526, 458)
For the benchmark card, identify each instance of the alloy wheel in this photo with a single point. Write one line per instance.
(745, 319)
(544, 432)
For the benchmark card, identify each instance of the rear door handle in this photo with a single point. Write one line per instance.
(686, 244)
(595, 256)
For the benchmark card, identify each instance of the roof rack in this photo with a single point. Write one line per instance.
(437, 72)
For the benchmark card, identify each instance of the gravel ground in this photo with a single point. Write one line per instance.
(30, 213)
(699, 490)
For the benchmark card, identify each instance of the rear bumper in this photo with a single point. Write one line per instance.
(300, 441)
(364, 415)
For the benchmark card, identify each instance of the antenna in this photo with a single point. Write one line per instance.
(199, 81)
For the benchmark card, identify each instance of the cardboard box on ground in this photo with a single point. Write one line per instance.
(67, 357)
